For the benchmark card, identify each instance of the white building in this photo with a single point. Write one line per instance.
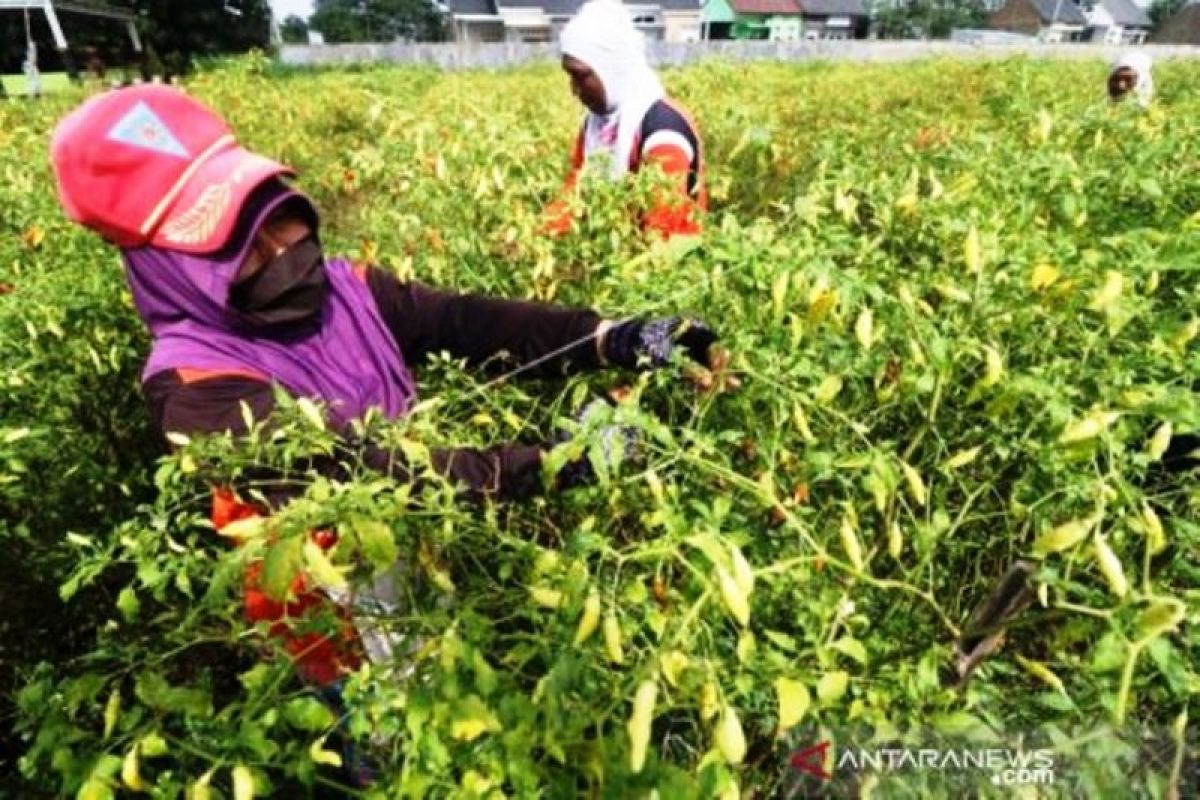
(1116, 21)
(541, 20)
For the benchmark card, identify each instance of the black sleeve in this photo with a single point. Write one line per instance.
(663, 116)
(484, 330)
(509, 471)
(1178, 457)
(213, 405)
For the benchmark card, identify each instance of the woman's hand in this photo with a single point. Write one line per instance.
(598, 440)
(651, 343)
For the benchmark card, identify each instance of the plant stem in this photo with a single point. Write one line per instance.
(1135, 651)
(692, 613)
(883, 583)
(1087, 610)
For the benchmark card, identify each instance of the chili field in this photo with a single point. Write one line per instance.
(962, 303)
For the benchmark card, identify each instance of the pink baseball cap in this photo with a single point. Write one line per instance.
(149, 165)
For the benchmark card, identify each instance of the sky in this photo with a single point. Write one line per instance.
(285, 8)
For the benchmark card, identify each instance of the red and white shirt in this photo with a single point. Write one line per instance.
(668, 139)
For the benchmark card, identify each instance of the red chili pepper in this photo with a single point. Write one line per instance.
(325, 538)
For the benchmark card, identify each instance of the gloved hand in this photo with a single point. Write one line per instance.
(357, 764)
(610, 443)
(652, 341)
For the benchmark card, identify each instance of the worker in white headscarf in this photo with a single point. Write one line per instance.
(630, 119)
(1132, 73)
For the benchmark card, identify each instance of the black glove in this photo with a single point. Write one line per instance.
(627, 343)
(615, 442)
(358, 765)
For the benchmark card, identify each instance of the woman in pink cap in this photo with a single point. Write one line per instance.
(226, 268)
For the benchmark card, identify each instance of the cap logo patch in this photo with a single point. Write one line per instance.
(199, 222)
(141, 127)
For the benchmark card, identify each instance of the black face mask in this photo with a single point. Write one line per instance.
(289, 290)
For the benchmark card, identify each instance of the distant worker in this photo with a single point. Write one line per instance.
(630, 119)
(1132, 73)
(96, 68)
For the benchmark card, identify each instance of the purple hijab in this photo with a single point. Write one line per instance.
(348, 360)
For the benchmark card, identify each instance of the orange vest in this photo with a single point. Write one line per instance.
(319, 659)
(672, 214)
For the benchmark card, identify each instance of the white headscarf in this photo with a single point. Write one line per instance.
(1143, 87)
(602, 35)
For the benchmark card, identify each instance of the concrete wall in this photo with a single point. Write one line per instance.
(497, 56)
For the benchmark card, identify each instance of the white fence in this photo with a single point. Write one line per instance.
(495, 56)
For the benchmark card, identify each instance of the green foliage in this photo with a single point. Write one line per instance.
(377, 20)
(950, 270)
(1162, 10)
(294, 30)
(933, 19)
(180, 33)
(76, 451)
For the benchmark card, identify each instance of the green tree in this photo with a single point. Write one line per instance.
(933, 19)
(338, 20)
(294, 30)
(1163, 10)
(377, 20)
(894, 20)
(181, 32)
